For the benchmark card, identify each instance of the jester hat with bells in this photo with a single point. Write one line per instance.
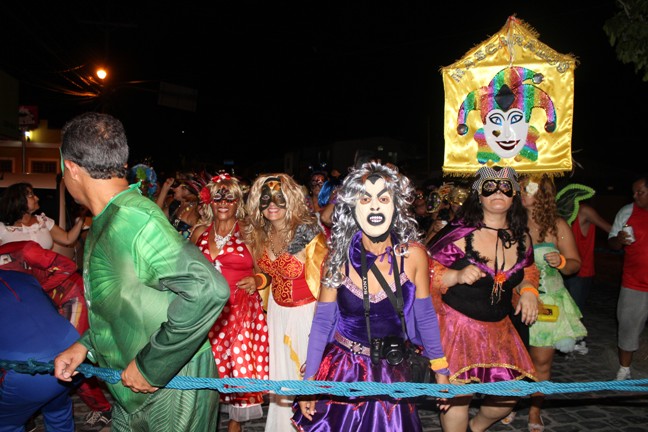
(510, 88)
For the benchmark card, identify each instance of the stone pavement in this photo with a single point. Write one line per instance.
(596, 411)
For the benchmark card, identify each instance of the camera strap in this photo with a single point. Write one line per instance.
(395, 299)
(365, 289)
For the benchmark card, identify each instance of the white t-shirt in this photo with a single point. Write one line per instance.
(38, 232)
(620, 219)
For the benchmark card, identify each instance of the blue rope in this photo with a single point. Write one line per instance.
(355, 389)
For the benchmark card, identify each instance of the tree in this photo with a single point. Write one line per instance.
(628, 33)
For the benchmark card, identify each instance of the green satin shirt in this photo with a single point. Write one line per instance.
(151, 295)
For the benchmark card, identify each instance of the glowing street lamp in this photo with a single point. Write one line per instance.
(102, 73)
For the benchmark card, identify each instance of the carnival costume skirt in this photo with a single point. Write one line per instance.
(370, 413)
(482, 351)
(239, 340)
(562, 333)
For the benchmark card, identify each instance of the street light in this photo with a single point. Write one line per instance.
(102, 73)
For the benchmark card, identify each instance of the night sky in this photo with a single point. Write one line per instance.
(284, 75)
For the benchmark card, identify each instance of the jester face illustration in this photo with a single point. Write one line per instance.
(506, 132)
(505, 106)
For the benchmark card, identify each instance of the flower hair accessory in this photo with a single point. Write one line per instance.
(205, 192)
(531, 188)
(222, 175)
(205, 195)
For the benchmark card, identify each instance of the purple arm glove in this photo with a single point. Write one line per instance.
(321, 330)
(428, 328)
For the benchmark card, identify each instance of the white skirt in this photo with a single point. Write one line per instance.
(288, 331)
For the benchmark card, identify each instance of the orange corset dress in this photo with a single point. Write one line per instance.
(289, 287)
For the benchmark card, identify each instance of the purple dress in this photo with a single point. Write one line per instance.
(339, 363)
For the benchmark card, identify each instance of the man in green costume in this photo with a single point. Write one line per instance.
(152, 296)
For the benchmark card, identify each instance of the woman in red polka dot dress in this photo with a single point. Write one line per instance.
(239, 337)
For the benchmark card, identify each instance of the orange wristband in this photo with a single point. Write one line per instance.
(439, 363)
(530, 289)
(563, 263)
(264, 281)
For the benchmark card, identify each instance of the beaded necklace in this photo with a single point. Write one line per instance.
(222, 240)
(271, 241)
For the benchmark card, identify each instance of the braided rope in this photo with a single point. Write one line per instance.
(355, 389)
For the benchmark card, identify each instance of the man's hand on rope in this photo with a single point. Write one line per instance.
(132, 378)
(65, 364)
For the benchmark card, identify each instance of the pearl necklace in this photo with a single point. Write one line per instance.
(222, 241)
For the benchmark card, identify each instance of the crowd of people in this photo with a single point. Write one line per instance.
(329, 279)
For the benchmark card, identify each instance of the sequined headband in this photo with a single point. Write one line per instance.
(485, 173)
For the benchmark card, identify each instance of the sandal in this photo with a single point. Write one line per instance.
(509, 418)
(537, 427)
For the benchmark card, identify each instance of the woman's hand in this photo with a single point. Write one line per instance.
(469, 275)
(442, 403)
(168, 183)
(528, 306)
(438, 224)
(307, 407)
(248, 284)
(553, 258)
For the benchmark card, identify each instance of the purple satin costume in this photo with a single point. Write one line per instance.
(376, 413)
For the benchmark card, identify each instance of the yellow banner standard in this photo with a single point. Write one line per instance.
(509, 102)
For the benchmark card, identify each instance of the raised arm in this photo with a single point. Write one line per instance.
(592, 216)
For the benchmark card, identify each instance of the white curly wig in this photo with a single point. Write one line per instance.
(344, 225)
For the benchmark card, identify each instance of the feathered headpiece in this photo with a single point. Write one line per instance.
(146, 176)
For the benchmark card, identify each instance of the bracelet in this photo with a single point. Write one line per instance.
(530, 288)
(439, 363)
(563, 262)
(264, 281)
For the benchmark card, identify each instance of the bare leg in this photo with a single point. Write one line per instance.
(455, 419)
(233, 426)
(542, 360)
(493, 408)
(625, 358)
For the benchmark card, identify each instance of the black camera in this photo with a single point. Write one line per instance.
(390, 348)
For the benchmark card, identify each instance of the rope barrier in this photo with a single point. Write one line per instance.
(355, 389)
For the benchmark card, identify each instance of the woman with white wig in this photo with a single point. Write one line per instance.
(358, 334)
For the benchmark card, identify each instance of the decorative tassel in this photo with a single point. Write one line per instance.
(498, 282)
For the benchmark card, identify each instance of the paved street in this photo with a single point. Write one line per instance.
(596, 411)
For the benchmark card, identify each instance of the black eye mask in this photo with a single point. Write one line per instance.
(489, 187)
(271, 192)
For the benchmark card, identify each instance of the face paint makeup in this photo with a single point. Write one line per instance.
(271, 192)
(374, 211)
(317, 180)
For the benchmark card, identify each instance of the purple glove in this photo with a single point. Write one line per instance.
(321, 331)
(428, 328)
